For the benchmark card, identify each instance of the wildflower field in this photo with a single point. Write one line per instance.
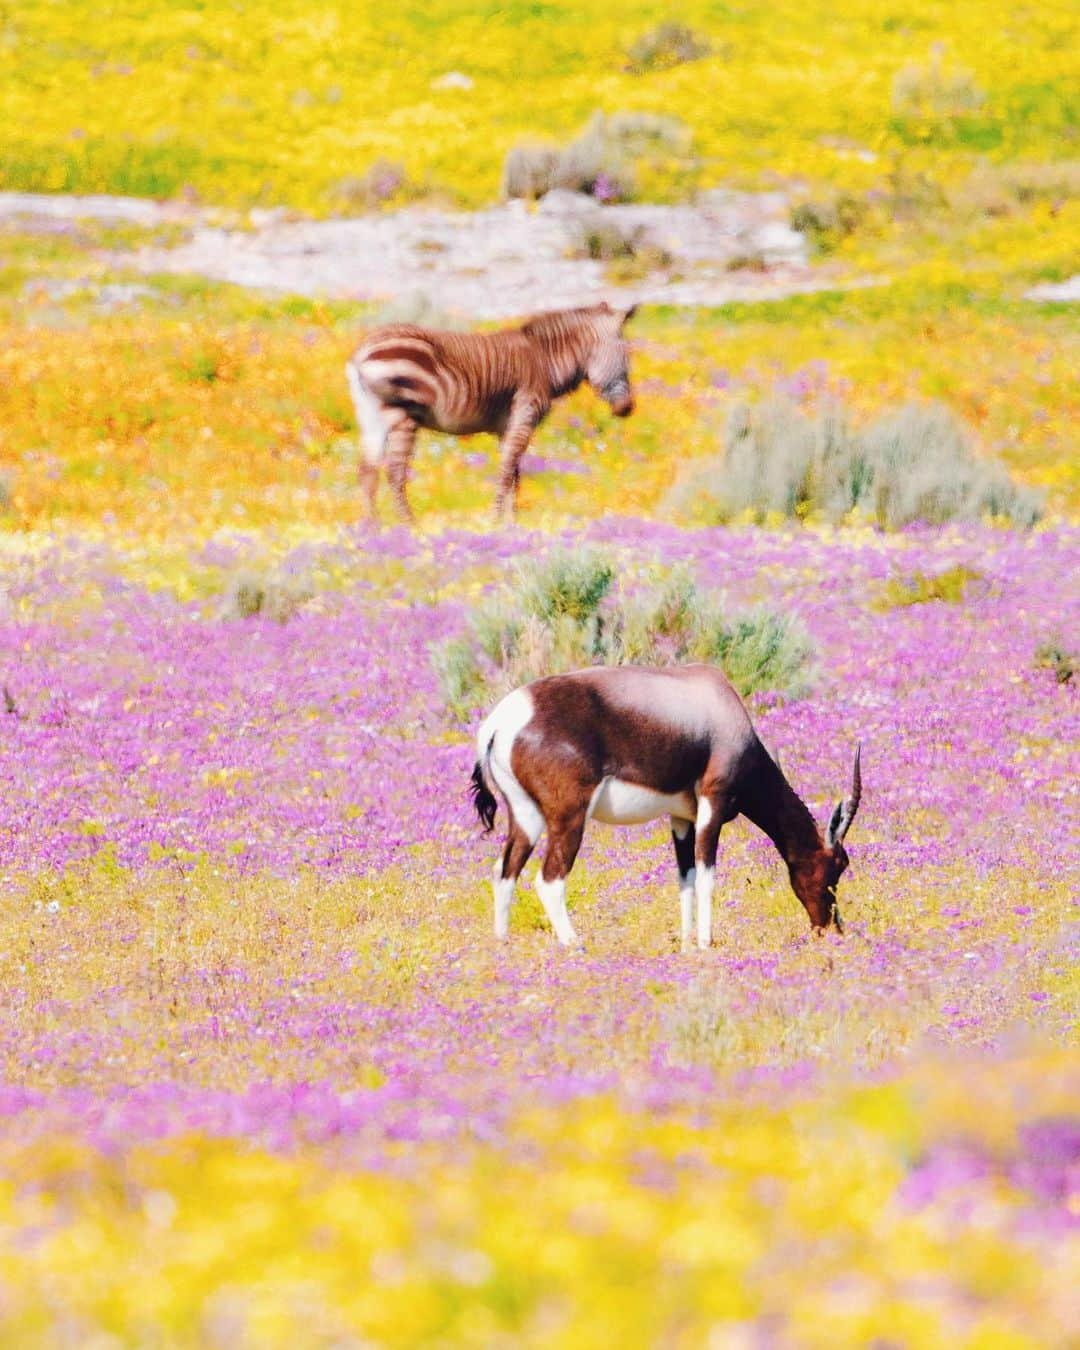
(267, 1078)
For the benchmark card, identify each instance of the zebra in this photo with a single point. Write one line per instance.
(404, 377)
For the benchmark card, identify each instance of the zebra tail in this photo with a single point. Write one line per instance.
(483, 798)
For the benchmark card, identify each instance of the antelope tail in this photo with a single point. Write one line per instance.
(483, 798)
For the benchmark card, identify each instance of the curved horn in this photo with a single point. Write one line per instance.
(844, 813)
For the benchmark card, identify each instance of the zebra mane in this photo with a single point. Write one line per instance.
(559, 324)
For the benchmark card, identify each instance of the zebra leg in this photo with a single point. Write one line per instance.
(370, 418)
(400, 442)
(520, 426)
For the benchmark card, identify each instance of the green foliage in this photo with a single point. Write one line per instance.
(666, 45)
(269, 594)
(935, 92)
(916, 463)
(1058, 658)
(829, 221)
(571, 585)
(1005, 190)
(601, 161)
(629, 253)
(950, 586)
(569, 614)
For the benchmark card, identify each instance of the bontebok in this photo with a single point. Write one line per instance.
(403, 378)
(627, 744)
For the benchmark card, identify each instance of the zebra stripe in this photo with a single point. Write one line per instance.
(404, 377)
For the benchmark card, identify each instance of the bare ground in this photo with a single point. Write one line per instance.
(508, 260)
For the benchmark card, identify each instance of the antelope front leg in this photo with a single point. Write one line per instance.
(710, 818)
(682, 834)
(520, 426)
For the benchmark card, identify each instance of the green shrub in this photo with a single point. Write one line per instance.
(384, 182)
(600, 161)
(1005, 189)
(570, 613)
(924, 468)
(271, 595)
(1054, 656)
(828, 222)
(935, 92)
(950, 586)
(665, 46)
(529, 171)
(917, 463)
(628, 252)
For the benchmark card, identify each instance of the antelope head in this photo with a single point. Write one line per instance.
(815, 881)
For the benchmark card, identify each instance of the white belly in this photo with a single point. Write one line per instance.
(619, 803)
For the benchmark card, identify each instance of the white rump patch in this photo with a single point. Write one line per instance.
(498, 731)
(617, 802)
(369, 415)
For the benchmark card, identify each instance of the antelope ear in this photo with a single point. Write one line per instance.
(834, 825)
(628, 314)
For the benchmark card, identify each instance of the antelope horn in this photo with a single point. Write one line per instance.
(844, 813)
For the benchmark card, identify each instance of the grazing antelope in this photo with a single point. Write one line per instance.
(626, 744)
(404, 377)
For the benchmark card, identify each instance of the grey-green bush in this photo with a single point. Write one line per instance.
(916, 463)
(271, 594)
(599, 161)
(935, 91)
(571, 613)
(666, 45)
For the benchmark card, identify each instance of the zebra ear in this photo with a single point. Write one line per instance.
(628, 314)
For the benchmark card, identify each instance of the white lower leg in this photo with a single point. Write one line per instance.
(504, 898)
(553, 897)
(686, 906)
(703, 889)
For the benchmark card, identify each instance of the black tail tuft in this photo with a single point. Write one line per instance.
(483, 799)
